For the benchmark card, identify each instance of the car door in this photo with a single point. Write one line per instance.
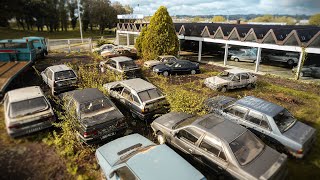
(244, 79)
(44, 75)
(212, 154)
(235, 82)
(126, 97)
(177, 68)
(185, 139)
(50, 79)
(258, 123)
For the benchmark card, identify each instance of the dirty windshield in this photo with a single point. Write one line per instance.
(125, 65)
(226, 75)
(95, 107)
(149, 94)
(62, 75)
(246, 147)
(284, 120)
(27, 107)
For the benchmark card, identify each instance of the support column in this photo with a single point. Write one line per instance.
(179, 48)
(226, 52)
(128, 39)
(299, 66)
(117, 38)
(258, 59)
(200, 51)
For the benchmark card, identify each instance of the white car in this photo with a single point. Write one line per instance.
(244, 56)
(105, 47)
(160, 60)
(27, 110)
(59, 78)
(289, 58)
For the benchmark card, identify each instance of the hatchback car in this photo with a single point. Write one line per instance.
(271, 122)
(96, 117)
(59, 78)
(142, 98)
(27, 110)
(244, 56)
(160, 60)
(135, 157)
(221, 145)
(122, 66)
(177, 67)
(231, 79)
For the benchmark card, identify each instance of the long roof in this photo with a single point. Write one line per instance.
(138, 84)
(296, 35)
(85, 95)
(25, 93)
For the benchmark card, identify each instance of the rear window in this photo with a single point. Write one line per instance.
(14, 45)
(27, 107)
(95, 106)
(64, 75)
(149, 95)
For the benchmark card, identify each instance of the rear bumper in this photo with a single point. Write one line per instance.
(29, 129)
(102, 137)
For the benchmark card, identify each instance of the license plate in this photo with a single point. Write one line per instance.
(107, 135)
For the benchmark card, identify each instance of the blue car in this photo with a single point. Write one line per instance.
(135, 157)
(177, 67)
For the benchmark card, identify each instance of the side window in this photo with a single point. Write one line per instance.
(264, 124)
(112, 64)
(126, 94)
(124, 173)
(118, 88)
(189, 135)
(258, 119)
(237, 111)
(236, 78)
(177, 65)
(212, 149)
(244, 76)
(135, 99)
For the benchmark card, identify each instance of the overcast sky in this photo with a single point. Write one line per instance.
(212, 7)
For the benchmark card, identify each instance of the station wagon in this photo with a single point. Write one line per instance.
(273, 123)
(135, 157)
(224, 147)
(121, 65)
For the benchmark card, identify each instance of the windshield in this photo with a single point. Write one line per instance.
(149, 94)
(27, 107)
(246, 147)
(284, 120)
(62, 75)
(225, 75)
(95, 107)
(127, 65)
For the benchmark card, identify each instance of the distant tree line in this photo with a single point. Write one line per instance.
(56, 15)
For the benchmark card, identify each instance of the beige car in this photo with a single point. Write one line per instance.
(27, 110)
(160, 60)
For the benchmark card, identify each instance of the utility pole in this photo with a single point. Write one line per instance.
(80, 23)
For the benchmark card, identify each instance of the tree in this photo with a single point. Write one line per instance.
(218, 19)
(270, 18)
(197, 19)
(160, 37)
(315, 20)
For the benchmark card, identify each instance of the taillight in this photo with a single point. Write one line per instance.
(300, 151)
(145, 110)
(90, 133)
(15, 126)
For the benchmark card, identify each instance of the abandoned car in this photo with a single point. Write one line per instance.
(59, 78)
(96, 117)
(27, 110)
(142, 98)
(224, 147)
(231, 79)
(103, 48)
(122, 66)
(288, 58)
(269, 121)
(136, 157)
(160, 60)
(177, 67)
(309, 71)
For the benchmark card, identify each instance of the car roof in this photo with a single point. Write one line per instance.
(260, 105)
(61, 67)
(85, 95)
(24, 93)
(236, 71)
(13, 41)
(33, 37)
(121, 59)
(219, 127)
(161, 162)
(138, 84)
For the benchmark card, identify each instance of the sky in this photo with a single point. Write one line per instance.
(224, 7)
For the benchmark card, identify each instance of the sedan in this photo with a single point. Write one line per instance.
(178, 67)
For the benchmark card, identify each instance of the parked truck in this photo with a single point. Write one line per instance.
(40, 46)
(15, 56)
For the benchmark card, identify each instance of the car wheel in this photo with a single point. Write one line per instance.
(193, 71)
(290, 62)
(301, 74)
(236, 60)
(223, 89)
(161, 138)
(250, 86)
(165, 73)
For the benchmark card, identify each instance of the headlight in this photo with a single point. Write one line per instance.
(156, 70)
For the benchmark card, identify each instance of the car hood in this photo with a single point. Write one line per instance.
(152, 63)
(102, 118)
(110, 150)
(266, 164)
(300, 133)
(216, 80)
(169, 120)
(161, 66)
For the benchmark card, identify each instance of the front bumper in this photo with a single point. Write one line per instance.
(211, 86)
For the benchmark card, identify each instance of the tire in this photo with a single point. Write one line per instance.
(301, 74)
(193, 72)
(223, 89)
(290, 62)
(236, 60)
(250, 86)
(160, 138)
(165, 73)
